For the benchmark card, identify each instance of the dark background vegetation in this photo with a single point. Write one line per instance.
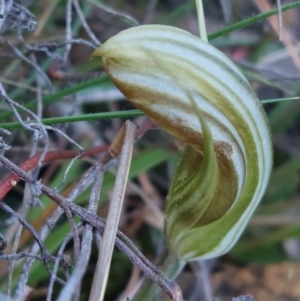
(264, 262)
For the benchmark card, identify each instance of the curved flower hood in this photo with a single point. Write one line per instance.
(195, 92)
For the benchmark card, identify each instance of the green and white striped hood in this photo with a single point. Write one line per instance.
(194, 91)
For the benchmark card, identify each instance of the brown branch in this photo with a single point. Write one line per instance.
(171, 288)
(11, 180)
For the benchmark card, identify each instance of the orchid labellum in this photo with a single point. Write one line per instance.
(193, 91)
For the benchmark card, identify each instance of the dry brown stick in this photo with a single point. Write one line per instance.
(264, 6)
(123, 144)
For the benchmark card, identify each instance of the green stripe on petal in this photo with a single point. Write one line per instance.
(179, 80)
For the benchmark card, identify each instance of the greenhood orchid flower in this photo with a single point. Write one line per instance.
(193, 91)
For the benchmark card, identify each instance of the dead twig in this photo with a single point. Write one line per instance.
(125, 138)
(139, 260)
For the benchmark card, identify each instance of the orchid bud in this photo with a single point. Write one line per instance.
(193, 91)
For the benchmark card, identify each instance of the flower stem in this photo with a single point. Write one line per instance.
(170, 266)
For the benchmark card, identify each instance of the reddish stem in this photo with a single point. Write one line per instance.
(11, 180)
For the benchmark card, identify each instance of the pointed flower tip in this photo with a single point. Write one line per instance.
(96, 53)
